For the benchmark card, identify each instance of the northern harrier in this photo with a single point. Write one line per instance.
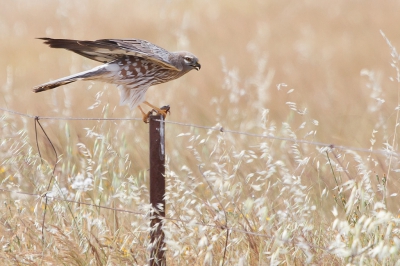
(134, 65)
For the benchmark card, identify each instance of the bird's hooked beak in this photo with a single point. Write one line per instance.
(196, 66)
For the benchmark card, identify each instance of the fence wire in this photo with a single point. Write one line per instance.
(213, 128)
(386, 152)
(133, 212)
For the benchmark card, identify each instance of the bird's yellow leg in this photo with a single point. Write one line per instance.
(145, 116)
(162, 112)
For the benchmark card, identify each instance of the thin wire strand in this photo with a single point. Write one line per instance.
(52, 173)
(16, 113)
(131, 212)
(229, 229)
(315, 143)
(90, 118)
(220, 129)
(214, 128)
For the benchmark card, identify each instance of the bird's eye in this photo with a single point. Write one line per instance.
(188, 59)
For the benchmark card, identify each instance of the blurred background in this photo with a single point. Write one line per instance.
(317, 48)
(322, 71)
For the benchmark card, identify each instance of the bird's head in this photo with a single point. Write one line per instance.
(189, 61)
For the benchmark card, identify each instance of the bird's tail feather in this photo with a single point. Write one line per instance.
(90, 74)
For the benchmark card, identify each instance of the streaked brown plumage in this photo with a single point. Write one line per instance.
(134, 65)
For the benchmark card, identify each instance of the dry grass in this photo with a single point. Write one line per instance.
(314, 70)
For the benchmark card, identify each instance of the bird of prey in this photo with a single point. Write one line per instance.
(132, 64)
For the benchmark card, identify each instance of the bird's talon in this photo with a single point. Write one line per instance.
(158, 111)
(167, 109)
(162, 111)
(146, 117)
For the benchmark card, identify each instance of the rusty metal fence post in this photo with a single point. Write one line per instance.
(157, 189)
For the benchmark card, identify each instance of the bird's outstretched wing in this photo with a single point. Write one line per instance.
(107, 50)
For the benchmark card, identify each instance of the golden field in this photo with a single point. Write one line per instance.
(322, 72)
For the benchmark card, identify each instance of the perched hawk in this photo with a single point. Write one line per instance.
(134, 65)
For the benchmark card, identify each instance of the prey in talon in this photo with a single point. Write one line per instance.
(133, 65)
